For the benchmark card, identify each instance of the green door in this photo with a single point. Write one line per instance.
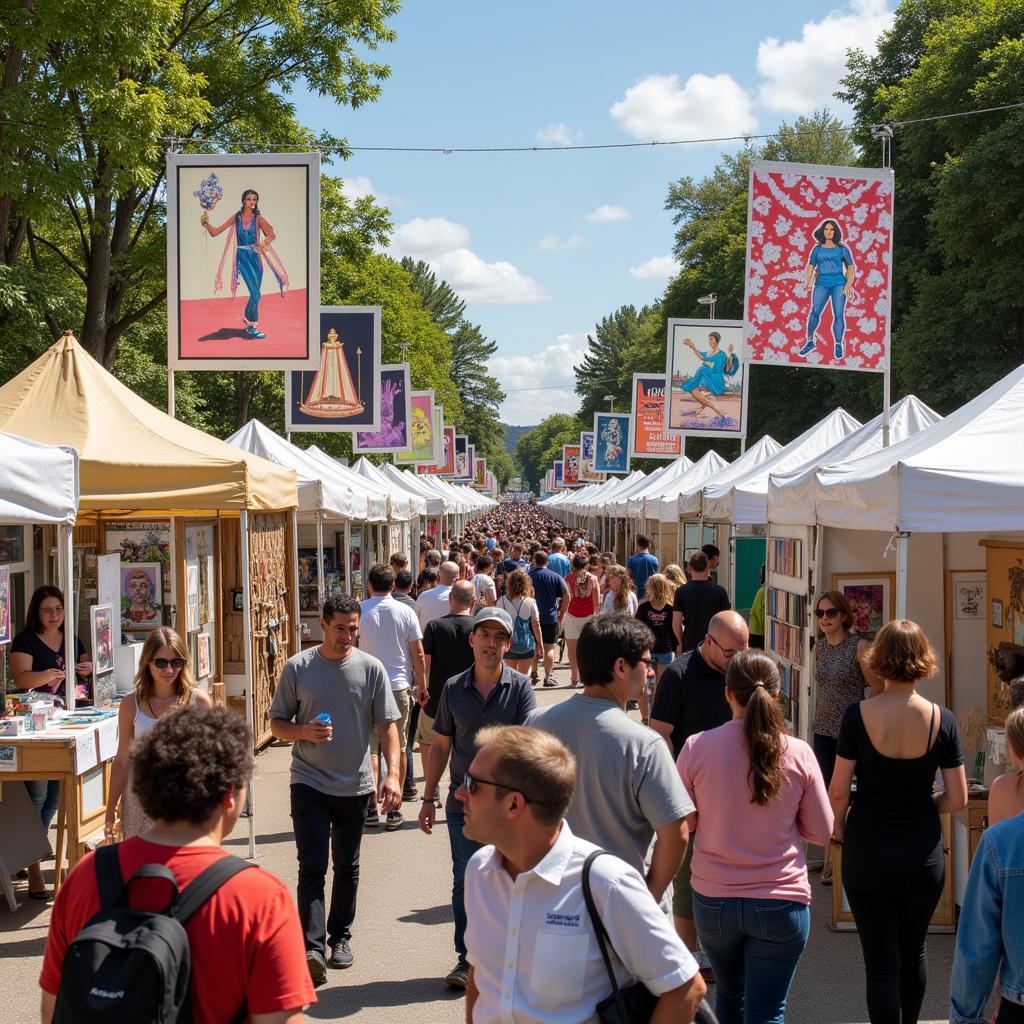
(749, 559)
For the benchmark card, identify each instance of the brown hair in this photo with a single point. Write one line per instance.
(184, 681)
(517, 584)
(33, 620)
(753, 680)
(620, 602)
(1015, 737)
(840, 601)
(534, 763)
(901, 653)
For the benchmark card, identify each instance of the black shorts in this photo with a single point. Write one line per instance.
(549, 632)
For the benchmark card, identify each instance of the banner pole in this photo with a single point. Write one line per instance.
(170, 392)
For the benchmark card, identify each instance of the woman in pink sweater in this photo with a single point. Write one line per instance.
(758, 794)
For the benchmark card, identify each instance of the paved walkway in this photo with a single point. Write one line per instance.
(403, 933)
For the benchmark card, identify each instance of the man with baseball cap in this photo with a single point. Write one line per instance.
(487, 693)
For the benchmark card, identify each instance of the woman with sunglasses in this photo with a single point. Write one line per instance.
(163, 682)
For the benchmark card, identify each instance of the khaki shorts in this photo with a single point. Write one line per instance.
(424, 730)
(404, 702)
(572, 625)
(682, 887)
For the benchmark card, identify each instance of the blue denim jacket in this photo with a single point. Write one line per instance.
(990, 936)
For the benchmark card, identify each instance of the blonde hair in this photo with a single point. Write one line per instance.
(675, 575)
(620, 602)
(659, 590)
(184, 681)
(517, 584)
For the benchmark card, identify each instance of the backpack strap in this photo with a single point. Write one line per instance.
(205, 884)
(109, 880)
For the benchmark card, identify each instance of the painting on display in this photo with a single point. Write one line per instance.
(446, 467)
(191, 596)
(648, 438)
(587, 473)
(309, 577)
(201, 658)
(421, 431)
(611, 442)
(462, 470)
(141, 587)
(101, 627)
(199, 551)
(243, 261)
(704, 364)
(395, 433)
(872, 598)
(970, 599)
(5, 604)
(142, 541)
(557, 479)
(819, 266)
(480, 474)
(570, 464)
(343, 391)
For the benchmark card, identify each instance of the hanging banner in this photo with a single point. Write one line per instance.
(462, 471)
(470, 462)
(704, 362)
(587, 474)
(571, 465)
(480, 474)
(556, 477)
(395, 434)
(819, 266)
(243, 261)
(422, 431)
(647, 437)
(446, 467)
(344, 391)
(611, 442)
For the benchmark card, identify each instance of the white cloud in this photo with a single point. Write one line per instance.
(604, 214)
(658, 108)
(476, 280)
(558, 134)
(558, 243)
(802, 74)
(426, 237)
(357, 186)
(547, 369)
(657, 267)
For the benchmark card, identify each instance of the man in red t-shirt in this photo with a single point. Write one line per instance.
(246, 942)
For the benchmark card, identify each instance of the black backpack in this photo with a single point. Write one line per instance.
(135, 965)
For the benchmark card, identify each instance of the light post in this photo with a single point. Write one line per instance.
(709, 300)
(610, 399)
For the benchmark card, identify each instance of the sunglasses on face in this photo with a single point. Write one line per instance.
(471, 783)
(175, 663)
(828, 613)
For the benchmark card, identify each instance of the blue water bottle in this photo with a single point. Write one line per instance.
(325, 719)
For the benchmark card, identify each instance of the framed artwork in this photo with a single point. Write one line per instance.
(5, 604)
(587, 474)
(648, 437)
(611, 442)
(101, 627)
(191, 596)
(343, 392)
(199, 549)
(141, 587)
(394, 434)
(421, 430)
(462, 467)
(997, 613)
(480, 473)
(705, 367)
(557, 479)
(243, 261)
(872, 598)
(142, 541)
(446, 467)
(201, 655)
(819, 265)
(570, 464)
(970, 600)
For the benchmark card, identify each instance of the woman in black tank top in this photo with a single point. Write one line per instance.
(893, 867)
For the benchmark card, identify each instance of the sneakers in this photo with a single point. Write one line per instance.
(410, 793)
(534, 678)
(458, 977)
(394, 821)
(317, 967)
(341, 955)
(254, 332)
(549, 681)
(372, 819)
(808, 347)
(838, 349)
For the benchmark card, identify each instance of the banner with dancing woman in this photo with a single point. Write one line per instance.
(819, 266)
(243, 261)
(707, 394)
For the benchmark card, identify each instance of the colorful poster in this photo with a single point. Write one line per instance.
(480, 473)
(611, 442)
(446, 467)
(587, 474)
(422, 431)
(395, 415)
(5, 604)
(343, 392)
(648, 439)
(102, 630)
(557, 481)
(142, 541)
(141, 606)
(462, 470)
(704, 362)
(199, 551)
(570, 465)
(243, 261)
(819, 266)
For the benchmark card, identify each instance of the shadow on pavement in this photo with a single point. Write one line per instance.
(442, 914)
(347, 1001)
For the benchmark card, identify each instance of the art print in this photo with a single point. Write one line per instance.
(462, 470)
(704, 364)
(192, 622)
(611, 442)
(480, 473)
(570, 464)
(141, 604)
(872, 600)
(5, 604)
(446, 467)
(202, 659)
(101, 627)
(142, 541)
(395, 415)
(587, 473)
(243, 258)
(970, 599)
(648, 435)
(199, 549)
(557, 479)
(421, 431)
(343, 392)
(819, 266)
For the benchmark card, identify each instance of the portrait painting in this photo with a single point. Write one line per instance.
(611, 442)
(819, 266)
(421, 431)
(872, 600)
(704, 364)
(192, 622)
(243, 261)
(142, 541)
(394, 434)
(141, 603)
(648, 437)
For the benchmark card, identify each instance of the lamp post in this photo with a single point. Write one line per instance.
(709, 300)
(610, 399)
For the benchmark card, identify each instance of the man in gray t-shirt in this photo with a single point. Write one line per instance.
(628, 791)
(331, 780)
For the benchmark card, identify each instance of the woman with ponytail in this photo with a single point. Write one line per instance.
(758, 793)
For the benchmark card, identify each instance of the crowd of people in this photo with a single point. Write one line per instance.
(596, 855)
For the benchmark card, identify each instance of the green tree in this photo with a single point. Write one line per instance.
(535, 444)
(607, 368)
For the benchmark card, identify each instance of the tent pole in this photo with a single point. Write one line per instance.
(249, 668)
(320, 588)
(170, 392)
(886, 389)
(348, 556)
(65, 576)
(296, 612)
(902, 545)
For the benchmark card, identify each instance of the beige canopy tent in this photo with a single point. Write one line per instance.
(137, 462)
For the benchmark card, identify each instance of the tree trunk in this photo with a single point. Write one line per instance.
(94, 322)
(243, 398)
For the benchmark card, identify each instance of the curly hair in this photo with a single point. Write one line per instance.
(660, 590)
(517, 584)
(185, 765)
(901, 653)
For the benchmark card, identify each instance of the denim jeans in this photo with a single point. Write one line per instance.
(45, 796)
(321, 823)
(825, 748)
(462, 850)
(754, 946)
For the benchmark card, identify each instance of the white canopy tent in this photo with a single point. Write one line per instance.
(687, 504)
(660, 502)
(434, 504)
(659, 483)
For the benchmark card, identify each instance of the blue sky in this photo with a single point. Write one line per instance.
(542, 245)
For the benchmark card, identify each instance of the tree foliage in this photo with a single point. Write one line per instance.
(535, 449)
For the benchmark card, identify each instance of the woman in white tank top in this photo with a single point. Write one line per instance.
(163, 683)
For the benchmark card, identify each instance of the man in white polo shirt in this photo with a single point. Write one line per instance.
(433, 603)
(530, 941)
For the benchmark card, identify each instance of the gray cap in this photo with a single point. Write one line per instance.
(493, 614)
